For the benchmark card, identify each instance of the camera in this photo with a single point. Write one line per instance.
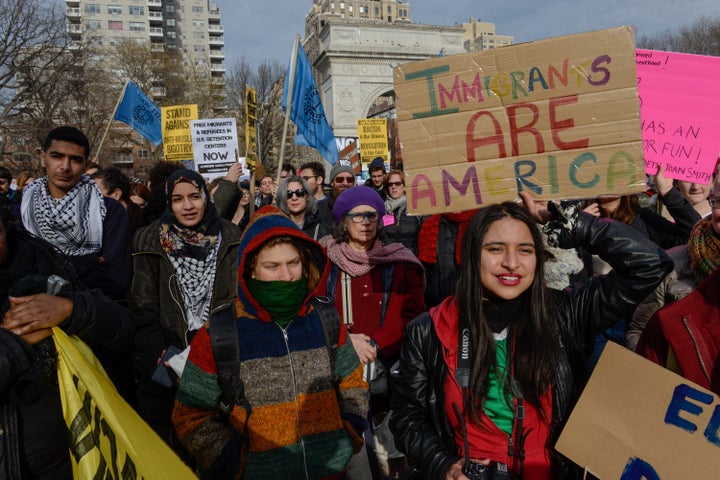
(492, 471)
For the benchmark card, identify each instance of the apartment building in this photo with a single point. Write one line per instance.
(190, 26)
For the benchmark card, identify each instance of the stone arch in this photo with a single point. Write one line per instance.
(372, 96)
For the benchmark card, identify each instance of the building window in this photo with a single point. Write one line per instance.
(170, 8)
(389, 9)
(199, 48)
(377, 10)
(350, 9)
(198, 23)
(171, 34)
(137, 26)
(92, 8)
(96, 41)
(197, 9)
(170, 22)
(115, 25)
(361, 9)
(198, 35)
(342, 5)
(114, 41)
(137, 11)
(114, 10)
(94, 24)
(142, 153)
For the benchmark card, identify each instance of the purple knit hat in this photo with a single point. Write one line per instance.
(354, 196)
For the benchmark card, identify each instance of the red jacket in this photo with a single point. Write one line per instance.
(691, 327)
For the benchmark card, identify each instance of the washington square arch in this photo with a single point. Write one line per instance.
(353, 64)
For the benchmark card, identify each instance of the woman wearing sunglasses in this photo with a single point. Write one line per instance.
(294, 200)
(377, 286)
(399, 226)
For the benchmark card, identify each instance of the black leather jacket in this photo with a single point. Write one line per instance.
(419, 421)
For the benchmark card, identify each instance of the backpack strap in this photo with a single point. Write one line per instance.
(226, 350)
(330, 320)
(388, 272)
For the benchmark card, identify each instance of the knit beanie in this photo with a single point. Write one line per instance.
(339, 168)
(704, 248)
(354, 196)
(377, 162)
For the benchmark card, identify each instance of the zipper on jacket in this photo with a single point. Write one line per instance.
(697, 349)
(295, 395)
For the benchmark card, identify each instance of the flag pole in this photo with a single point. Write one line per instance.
(291, 81)
(102, 140)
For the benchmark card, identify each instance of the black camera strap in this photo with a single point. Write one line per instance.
(462, 375)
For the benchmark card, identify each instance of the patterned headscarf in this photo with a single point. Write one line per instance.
(192, 251)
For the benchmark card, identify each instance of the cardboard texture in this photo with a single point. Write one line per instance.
(558, 118)
(679, 112)
(215, 145)
(637, 420)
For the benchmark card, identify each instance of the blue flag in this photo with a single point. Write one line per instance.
(140, 113)
(307, 112)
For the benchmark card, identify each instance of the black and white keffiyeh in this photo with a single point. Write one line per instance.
(73, 223)
(196, 277)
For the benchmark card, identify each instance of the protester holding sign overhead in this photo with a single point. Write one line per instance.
(487, 378)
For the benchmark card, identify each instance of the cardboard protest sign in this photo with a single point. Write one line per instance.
(373, 139)
(350, 155)
(177, 141)
(679, 112)
(250, 124)
(558, 118)
(636, 420)
(215, 146)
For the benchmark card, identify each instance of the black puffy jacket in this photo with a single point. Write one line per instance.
(33, 436)
(419, 422)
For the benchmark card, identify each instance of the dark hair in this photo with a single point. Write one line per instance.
(5, 174)
(288, 167)
(317, 168)
(67, 134)
(113, 179)
(159, 173)
(625, 211)
(533, 337)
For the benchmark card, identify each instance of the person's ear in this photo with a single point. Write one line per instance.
(116, 194)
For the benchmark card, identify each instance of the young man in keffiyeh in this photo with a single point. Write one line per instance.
(66, 209)
(184, 265)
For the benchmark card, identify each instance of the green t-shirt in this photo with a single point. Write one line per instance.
(497, 407)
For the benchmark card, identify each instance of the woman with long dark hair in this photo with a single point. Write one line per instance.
(506, 343)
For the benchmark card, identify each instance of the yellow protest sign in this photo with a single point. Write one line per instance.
(177, 140)
(373, 139)
(108, 439)
(558, 118)
(251, 155)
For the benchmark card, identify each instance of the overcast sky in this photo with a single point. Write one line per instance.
(264, 29)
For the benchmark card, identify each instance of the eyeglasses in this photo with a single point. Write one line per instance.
(394, 184)
(360, 216)
(300, 193)
(344, 180)
(308, 177)
(714, 202)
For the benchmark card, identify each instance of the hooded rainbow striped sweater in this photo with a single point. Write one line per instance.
(301, 424)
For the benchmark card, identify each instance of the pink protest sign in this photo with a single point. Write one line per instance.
(680, 113)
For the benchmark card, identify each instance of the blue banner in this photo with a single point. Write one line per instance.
(138, 111)
(307, 112)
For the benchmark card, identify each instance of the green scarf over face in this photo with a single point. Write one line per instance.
(282, 300)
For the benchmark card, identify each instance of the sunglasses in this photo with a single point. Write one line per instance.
(360, 216)
(300, 193)
(344, 179)
(394, 184)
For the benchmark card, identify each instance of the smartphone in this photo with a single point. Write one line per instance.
(164, 375)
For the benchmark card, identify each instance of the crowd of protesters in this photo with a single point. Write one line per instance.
(286, 335)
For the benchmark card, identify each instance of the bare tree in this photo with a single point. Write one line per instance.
(32, 38)
(701, 38)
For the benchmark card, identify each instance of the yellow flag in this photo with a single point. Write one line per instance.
(108, 439)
